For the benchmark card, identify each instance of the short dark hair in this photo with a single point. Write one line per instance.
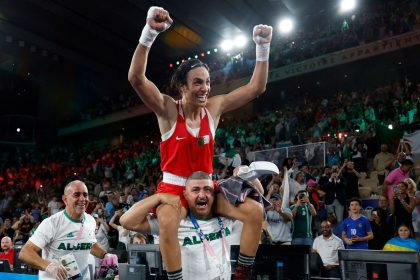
(180, 75)
(199, 175)
(354, 199)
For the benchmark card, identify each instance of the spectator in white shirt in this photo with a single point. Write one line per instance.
(327, 246)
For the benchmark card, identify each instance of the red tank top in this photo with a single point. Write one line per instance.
(183, 154)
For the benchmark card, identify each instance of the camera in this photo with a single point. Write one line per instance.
(301, 195)
(124, 207)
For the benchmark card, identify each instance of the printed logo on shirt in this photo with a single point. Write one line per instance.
(180, 138)
(70, 234)
(360, 225)
(74, 247)
(193, 240)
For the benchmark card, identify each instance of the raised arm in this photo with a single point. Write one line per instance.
(223, 103)
(136, 217)
(158, 20)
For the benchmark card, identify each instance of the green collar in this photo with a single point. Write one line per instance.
(73, 220)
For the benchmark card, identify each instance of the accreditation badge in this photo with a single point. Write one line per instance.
(69, 262)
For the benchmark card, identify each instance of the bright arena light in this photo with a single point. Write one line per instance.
(240, 41)
(226, 45)
(286, 25)
(347, 5)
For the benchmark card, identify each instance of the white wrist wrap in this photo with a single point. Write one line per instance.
(148, 36)
(262, 52)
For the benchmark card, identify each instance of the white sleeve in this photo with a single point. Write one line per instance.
(340, 244)
(43, 234)
(315, 245)
(154, 225)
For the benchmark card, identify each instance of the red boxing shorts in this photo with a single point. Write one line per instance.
(173, 189)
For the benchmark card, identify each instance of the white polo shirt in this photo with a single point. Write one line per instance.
(328, 249)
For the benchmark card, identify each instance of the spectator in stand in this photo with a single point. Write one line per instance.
(315, 194)
(25, 226)
(404, 241)
(110, 205)
(384, 205)
(302, 211)
(381, 163)
(8, 252)
(333, 157)
(412, 187)
(6, 229)
(36, 212)
(359, 156)
(356, 228)
(380, 229)
(92, 203)
(123, 234)
(327, 246)
(336, 227)
(396, 176)
(325, 177)
(402, 206)
(279, 222)
(296, 185)
(53, 206)
(5, 199)
(101, 211)
(106, 186)
(352, 179)
(273, 188)
(101, 231)
(335, 195)
(139, 238)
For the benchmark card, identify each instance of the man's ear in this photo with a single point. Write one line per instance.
(64, 198)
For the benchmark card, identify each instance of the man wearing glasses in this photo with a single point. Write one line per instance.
(66, 239)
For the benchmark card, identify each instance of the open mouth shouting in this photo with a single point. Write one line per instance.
(201, 204)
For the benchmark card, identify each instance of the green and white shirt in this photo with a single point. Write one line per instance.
(57, 236)
(196, 262)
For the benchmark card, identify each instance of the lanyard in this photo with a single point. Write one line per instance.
(80, 232)
(207, 244)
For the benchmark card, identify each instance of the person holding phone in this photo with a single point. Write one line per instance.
(380, 228)
(302, 212)
(402, 206)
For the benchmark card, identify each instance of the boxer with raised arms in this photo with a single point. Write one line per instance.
(188, 128)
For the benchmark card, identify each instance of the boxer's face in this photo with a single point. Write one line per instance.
(197, 89)
(199, 194)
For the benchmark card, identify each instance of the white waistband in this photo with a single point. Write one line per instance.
(174, 179)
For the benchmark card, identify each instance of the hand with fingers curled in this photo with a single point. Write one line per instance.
(262, 35)
(157, 21)
(56, 270)
(172, 200)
